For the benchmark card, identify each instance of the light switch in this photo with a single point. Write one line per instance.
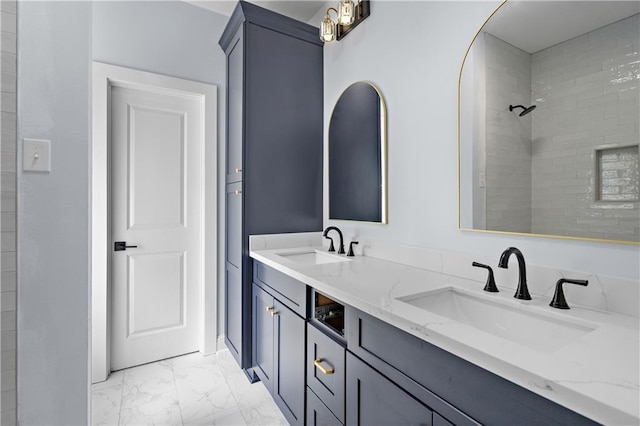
(36, 155)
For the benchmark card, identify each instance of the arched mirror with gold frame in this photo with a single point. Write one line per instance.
(548, 122)
(358, 155)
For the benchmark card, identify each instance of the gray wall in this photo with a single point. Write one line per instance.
(167, 37)
(416, 64)
(54, 53)
(57, 43)
(8, 215)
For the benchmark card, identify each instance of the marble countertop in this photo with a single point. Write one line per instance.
(596, 375)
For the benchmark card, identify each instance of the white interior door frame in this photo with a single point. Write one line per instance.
(105, 77)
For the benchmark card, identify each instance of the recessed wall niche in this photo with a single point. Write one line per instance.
(618, 174)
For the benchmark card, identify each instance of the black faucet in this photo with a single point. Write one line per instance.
(490, 286)
(522, 292)
(331, 247)
(559, 300)
(350, 252)
(329, 228)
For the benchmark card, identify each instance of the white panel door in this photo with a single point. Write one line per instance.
(156, 139)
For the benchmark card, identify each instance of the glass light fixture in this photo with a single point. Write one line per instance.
(346, 12)
(348, 16)
(328, 28)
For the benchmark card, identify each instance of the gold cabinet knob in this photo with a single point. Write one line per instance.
(269, 308)
(238, 170)
(274, 313)
(237, 192)
(318, 364)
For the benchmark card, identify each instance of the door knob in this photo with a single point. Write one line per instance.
(121, 246)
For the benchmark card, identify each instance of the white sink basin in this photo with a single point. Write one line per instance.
(313, 258)
(500, 318)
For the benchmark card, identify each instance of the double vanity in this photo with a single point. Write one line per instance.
(396, 334)
(404, 335)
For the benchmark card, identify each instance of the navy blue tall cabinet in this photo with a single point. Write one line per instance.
(274, 146)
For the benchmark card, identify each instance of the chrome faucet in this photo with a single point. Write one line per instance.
(522, 292)
(334, 228)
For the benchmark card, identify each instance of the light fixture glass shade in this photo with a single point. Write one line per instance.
(327, 29)
(346, 12)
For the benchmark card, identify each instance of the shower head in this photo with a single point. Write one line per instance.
(525, 109)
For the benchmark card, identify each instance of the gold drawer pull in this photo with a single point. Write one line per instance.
(319, 366)
(237, 192)
(269, 308)
(238, 170)
(274, 313)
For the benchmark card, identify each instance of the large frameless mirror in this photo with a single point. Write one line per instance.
(549, 121)
(358, 156)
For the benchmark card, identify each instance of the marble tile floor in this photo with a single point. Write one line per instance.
(187, 390)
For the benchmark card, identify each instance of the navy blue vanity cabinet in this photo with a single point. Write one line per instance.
(235, 86)
(372, 399)
(233, 312)
(288, 385)
(274, 146)
(438, 420)
(317, 413)
(457, 391)
(233, 268)
(279, 336)
(326, 368)
(263, 336)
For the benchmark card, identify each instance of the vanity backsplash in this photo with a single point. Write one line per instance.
(604, 292)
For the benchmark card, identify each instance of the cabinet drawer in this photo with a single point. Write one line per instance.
(324, 353)
(317, 413)
(288, 290)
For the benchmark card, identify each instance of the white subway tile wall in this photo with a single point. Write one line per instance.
(543, 170)
(8, 211)
(587, 90)
(508, 137)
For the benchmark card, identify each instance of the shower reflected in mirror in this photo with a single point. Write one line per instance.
(525, 109)
(563, 159)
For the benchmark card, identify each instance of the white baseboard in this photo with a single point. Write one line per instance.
(220, 344)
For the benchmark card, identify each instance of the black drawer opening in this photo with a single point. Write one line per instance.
(328, 312)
